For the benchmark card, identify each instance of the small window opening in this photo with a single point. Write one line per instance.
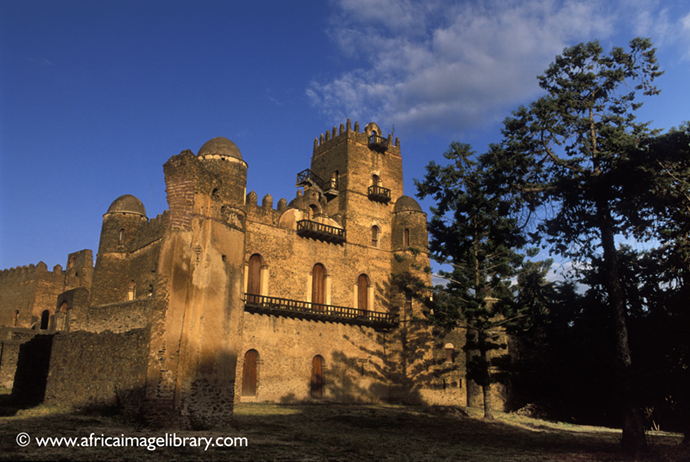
(375, 236)
(45, 318)
(313, 211)
(450, 352)
(121, 239)
(131, 291)
(406, 238)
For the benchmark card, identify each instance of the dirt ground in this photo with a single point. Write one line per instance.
(323, 432)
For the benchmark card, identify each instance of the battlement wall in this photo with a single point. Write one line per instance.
(26, 291)
(331, 138)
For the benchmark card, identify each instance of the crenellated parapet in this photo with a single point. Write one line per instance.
(371, 136)
(28, 272)
(264, 212)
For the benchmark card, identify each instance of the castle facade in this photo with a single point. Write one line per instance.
(221, 299)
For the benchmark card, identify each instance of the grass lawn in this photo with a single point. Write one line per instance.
(332, 432)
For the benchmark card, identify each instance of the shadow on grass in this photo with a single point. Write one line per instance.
(336, 432)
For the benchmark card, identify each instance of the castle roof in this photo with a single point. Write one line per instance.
(406, 204)
(220, 147)
(127, 204)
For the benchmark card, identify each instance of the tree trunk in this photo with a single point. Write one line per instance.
(633, 439)
(488, 412)
(486, 379)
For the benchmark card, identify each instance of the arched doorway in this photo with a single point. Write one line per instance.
(45, 319)
(318, 287)
(249, 377)
(254, 279)
(363, 294)
(317, 377)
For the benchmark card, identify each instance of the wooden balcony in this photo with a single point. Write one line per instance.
(379, 194)
(307, 310)
(308, 178)
(378, 143)
(321, 232)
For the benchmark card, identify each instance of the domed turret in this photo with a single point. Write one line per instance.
(406, 204)
(409, 225)
(127, 204)
(219, 147)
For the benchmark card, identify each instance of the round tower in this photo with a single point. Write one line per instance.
(120, 224)
(409, 226)
(223, 158)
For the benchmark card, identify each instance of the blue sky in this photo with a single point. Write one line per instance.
(96, 95)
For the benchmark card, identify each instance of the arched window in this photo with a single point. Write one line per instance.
(249, 377)
(131, 292)
(406, 238)
(313, 211)
(254, 279)
(363, 294)
(335, 177)
(16, 317)
(45, 319)
(318, 287)
(317, 377)
(375, 180)
(450, 350)
(121, 238)
(375, 236)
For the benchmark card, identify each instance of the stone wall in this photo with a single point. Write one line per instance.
(98, 368)
(25, 292)
(354, 359)
(118, 317)
(11, 340)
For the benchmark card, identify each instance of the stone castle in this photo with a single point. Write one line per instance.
(221, 299)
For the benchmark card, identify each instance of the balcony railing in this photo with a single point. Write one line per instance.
(308, 310)
(309, 178)
(316, 230)
(379, 194)
(378, 143)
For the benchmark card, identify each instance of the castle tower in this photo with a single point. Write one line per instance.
(195, 330)
(122, 224)
(360, 177)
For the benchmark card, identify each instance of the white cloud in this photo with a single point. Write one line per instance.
(436, 64)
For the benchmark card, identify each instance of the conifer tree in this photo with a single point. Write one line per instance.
(473, 230)
(569, 151)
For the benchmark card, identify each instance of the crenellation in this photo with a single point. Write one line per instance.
(267, 202)
(252, 199)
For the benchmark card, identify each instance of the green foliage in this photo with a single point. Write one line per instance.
(475, 230)
(579, 157)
